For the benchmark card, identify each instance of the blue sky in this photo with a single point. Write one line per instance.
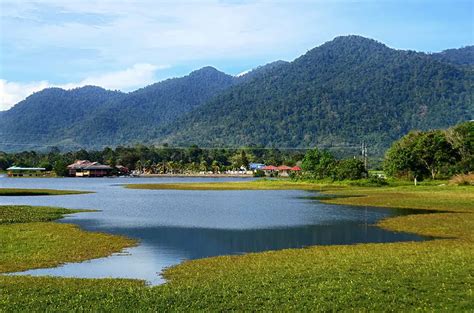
(129, 44)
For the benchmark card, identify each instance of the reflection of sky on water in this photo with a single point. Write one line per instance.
(175, 225)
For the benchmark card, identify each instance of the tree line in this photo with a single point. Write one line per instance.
(418, 155)
(432, 154)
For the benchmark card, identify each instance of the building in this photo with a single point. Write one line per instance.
(85, 168)
(122, 170)
(283, 170)
(16, 171)
(256, 166)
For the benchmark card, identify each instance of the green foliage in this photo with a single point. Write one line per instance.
(60, 168)
(462, 56)
(431, 153)
(351, 169)
(160, 159)
(321, 164)
(318, 164)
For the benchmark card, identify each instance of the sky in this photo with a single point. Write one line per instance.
(125, 45)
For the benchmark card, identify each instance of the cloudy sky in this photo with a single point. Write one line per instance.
(129, 44)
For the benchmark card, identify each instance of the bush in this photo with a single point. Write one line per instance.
(352, 169)
(462, 180)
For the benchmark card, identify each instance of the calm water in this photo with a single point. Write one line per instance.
(177, 225)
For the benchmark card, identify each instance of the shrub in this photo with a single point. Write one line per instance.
(462, 179)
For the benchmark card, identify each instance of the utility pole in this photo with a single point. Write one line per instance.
(364, 155)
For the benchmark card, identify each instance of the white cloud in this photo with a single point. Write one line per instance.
(13, 92)
(138, 75)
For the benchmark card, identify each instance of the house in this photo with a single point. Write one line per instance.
(16, 171)
(283, 170)
(256, 166)
(269, 169)
(85, 168)
(122, 170)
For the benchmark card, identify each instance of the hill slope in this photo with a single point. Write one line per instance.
(92, 117)
(462, 56)
(345, 91)
(341, 93)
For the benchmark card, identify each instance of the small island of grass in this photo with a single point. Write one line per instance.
(28, 239)
(38, 192)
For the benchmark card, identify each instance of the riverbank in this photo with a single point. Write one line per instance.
(29, 239)
(38, 192)
(430, 275)
(197, 175)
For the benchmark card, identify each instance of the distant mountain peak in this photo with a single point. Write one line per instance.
(206, 70)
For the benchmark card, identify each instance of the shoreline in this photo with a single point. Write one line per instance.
(195, 175)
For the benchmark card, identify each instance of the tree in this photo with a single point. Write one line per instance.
(60, 168)
(319, 164)
(350, 169)
(240, 159)
(434, 151)
(420, 155)
(461, 138)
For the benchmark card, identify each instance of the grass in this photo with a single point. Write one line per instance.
(435, 275)
(263, 184)
(38, 192)
(28, 240)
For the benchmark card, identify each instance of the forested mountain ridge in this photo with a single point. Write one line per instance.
(135, 116)
(345, 91)
(93, 117)
(44, 115)
(461, 56)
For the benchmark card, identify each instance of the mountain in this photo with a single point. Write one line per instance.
(345, 91)
(462, 56)
(93, 117)
(260, 70)
(341, 93)
(135, 116)
(45, 115)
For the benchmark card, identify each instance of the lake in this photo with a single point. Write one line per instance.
(177, 225)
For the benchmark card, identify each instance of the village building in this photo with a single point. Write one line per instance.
(85, 168)
(17, 171)
(256, 166)
(282, 170)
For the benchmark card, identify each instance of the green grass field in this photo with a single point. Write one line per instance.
(435, 275)
(38, 192)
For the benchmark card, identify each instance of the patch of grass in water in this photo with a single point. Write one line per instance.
(28, 240)
(38, 192)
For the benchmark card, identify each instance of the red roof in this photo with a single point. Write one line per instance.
(269, 168)
(296, 168)
(284, 168)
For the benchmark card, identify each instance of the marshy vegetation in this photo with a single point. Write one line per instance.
(429, 275)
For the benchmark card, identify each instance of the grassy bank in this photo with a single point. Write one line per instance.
(248, 185)
(432, 275)
(29, 240)
(38, 192)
